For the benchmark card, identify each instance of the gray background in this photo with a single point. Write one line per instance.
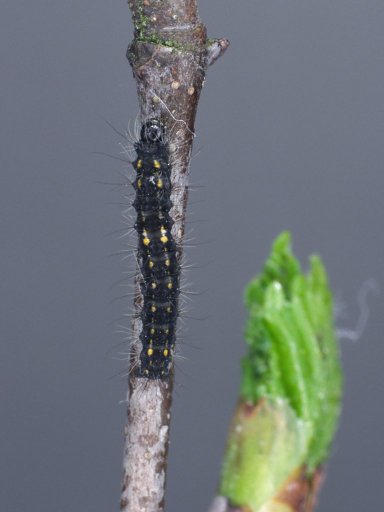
(289, 135)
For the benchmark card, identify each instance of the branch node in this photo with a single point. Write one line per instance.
(215, 50)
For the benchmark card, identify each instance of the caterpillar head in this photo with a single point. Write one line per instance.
(152, 131)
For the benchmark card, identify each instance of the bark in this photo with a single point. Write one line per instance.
(169, 57)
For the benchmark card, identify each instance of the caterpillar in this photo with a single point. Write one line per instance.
(157, 252)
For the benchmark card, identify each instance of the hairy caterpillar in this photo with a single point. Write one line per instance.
(157, 252)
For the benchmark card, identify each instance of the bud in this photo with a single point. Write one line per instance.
(290, 391)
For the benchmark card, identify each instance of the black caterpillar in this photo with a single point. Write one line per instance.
(157, 252)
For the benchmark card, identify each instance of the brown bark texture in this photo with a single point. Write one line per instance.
(169, 56)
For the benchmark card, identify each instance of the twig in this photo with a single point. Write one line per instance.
(169, 57)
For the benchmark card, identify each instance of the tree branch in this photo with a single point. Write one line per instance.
(169, 57)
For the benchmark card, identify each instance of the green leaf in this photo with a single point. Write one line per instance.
(292, 364)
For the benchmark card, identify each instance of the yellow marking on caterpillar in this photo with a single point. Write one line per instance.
(146, 240)
(163, 238)
(170, 286)
(139, 164)
(166, 331)
(153, 285)
(159, 183)
(153, 309)
(150, 351)
(165, 352)
(152, 332)
(156, 164)
(169, 309)
(151, 264)
(167, 262)
(139, 183)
